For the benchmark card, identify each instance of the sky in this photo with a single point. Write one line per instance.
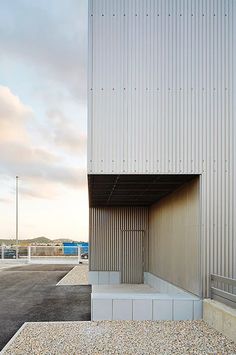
(43, 118)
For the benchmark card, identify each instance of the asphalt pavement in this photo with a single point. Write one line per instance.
(29, 294)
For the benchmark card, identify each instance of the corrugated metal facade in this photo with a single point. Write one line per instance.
(174, 245)
(161, 100)
(106, 226)
(131, 261)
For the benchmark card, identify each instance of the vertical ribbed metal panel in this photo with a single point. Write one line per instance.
(174, 246)
(131, 257)
(162, 100)
(106, 226)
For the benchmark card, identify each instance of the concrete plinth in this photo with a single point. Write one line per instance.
(220, 317)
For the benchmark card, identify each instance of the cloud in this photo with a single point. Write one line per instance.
(13, 116)
(66, 134)
(42, 170)
(5, 200)
(43, 48)
(49, 187)
(14, 153)
(52, 38)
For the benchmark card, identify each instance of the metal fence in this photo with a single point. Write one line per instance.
(43, 254)
(223, 289)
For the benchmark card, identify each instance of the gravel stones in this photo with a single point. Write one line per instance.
(119, 337)
(77, 276)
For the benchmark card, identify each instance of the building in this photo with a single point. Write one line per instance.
(161, 143)
(71, 248)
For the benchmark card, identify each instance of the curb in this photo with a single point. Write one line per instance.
(6, 347)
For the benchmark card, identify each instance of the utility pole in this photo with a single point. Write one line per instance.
(17, 217)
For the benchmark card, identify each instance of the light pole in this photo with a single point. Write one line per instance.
(17, 217)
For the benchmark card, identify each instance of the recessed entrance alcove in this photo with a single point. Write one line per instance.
(145, 246)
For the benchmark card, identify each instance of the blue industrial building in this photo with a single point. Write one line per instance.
(70, 248)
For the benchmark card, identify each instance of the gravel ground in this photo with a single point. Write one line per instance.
(120, 337)
(77, 276)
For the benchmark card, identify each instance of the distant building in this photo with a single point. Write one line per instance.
(71, 248)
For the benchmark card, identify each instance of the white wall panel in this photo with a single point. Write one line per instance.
(162, 100)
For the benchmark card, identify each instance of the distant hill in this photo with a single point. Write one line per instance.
(39, 240)
(62, 240)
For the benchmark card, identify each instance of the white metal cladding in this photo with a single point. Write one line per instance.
(161, 100)
(106, 225)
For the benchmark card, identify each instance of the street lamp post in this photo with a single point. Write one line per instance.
(17, 216)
